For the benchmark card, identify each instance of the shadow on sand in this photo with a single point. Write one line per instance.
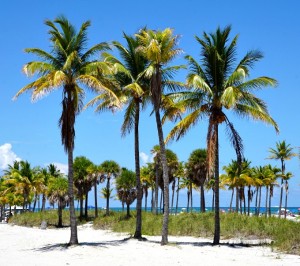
(114, 243)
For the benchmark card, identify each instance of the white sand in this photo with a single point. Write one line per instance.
(33, 246)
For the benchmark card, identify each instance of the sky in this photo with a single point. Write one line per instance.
(29, 131)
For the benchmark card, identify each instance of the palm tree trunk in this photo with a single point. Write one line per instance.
(173, 192)
(164, 231)
(152, 200)
(237, 200)
(146, 198)
(259, 201)
(213, 201)
(108, 195)
(191, 195)
(217, 230)
(177, 197)
(270, 197)
(86, 206)
(202, 198)
(34, 203)
(96, 200)
(240, 200)
(128, 212)
(244, 199)
(256, 202)
(267, 195)
(188, 201)
(73, 224)
(156, 189)
(138, 228)
(281, 188)
(81, 207)
(43, 202)
(249, 200)
(232, 194)
(161, 202)
(59, 211)
(286, 197)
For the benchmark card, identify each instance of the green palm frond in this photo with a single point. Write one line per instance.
(184, 125)
(256, 113)
(128, 123)
(37, 68)
(43, 55)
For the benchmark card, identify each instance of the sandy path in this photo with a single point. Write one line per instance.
(33, 246)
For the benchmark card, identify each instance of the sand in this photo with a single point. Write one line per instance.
(34, 246)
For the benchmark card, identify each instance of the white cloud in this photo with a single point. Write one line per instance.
(7, 156)
(62, 167)
(145, 158)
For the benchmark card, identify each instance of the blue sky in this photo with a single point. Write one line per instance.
(29, 131)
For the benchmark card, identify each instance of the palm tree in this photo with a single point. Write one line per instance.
(286, 177)
(179, 175)
(48, 173)
(187, 183)
(67, 66)
(109, 170)
(282, 152)
(94, 173)
(238, 177)
(37, 185)
(197, 170)
(218, 85)
(19, 178)
(83, 181)
(126, 188)
(58, 192)
(135, 90)
(147, 182)
(159, 47)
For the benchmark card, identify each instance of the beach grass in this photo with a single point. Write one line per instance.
(283, 233)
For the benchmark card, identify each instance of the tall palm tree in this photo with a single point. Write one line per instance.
(109, 170)
(282, 152)
(219, 84)
(159, 47)
(68, 66)
(128, 72)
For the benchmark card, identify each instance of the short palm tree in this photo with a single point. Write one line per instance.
(286, 178)
(282, 152)
(197, 170)
(109, 170)
(159, 47)
(83, 181)
(19, 177)
(69, 65)
(58, 193)
(126, 188)
(218, 84)
(94, 173)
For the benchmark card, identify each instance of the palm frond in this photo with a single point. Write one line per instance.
(182, 127)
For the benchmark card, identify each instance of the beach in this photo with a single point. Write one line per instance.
(34, 246)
